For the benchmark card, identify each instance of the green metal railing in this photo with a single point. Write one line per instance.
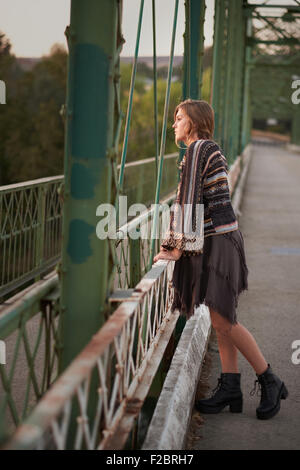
(29, 326)
(31, 330)
(30, 231)
(31, 219)
(121, 359)
(29, 323)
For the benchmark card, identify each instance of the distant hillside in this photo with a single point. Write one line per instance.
(161, 61)
(27, 63)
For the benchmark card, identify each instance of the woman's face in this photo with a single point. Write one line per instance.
(181, 126)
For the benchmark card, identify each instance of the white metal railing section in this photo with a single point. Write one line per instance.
(121, 359)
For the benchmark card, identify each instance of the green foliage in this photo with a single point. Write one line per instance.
(9, 73)
(206, 84)
(31, 125)
(142, 128)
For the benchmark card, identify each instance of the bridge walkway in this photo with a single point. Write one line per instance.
(270, 223)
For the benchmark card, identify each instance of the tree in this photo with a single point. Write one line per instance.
(36, 145)
(9, 73)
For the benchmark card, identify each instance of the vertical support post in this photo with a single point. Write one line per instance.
(231, 61)
(246, 117)
(225, 58)
(193, 48)
(295, 137)
(218, 66)
(135, 260)
(93, 59)
(197, 16)
(193, 51)
(40, 232)
(238, 79)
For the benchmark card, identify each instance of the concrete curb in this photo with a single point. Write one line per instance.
(170, 421)
(169, 424)
(293, 148)
(239, 190)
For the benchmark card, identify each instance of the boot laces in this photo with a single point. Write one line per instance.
(218, 386)
(262, 391)
(258, 391)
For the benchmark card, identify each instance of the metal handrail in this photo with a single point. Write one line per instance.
(38, 309)
(128, 350)
(30, 230)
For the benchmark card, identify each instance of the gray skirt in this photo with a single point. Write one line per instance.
(215, 277)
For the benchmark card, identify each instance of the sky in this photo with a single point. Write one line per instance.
(33, 26)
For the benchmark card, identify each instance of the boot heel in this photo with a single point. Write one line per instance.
(236, 406)
(284, 392)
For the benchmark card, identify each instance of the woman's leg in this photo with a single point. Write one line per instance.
(232, 337)
(228, 353)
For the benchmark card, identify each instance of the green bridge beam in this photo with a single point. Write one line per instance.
(218, 66)
(193, 48)
(92, 40)
(246, 115)
(295, 137)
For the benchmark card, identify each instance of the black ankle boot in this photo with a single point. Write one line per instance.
(227, 392)
(272, 391)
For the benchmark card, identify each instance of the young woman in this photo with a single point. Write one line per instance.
(216, 274)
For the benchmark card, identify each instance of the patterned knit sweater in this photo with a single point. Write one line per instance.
(219, 216)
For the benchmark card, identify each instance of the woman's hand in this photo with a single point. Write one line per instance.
(172, 255)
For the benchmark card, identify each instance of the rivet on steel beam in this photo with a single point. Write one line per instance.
(70, 34)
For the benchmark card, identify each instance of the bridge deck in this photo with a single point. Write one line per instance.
(269, 309)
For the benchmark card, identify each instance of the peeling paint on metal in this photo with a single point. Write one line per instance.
(83, 181)
(79, 245)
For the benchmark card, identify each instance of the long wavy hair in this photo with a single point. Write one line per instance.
(201, 118)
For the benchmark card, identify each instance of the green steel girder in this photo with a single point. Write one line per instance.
(295, 135)
(92, 39)
(277, 42)
(217, 70)
(271, 25)
(291, 8)
(246, 113)
(193, 48)
(228, 76)
(229, 105)
(193, 52)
